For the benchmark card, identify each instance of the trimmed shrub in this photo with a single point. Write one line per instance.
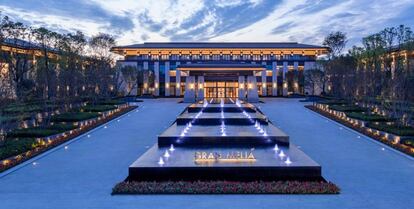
(22, 108)
(74, 116)
(347, 108)
(332, 102)
(12, 147)
(98, 108)
(62, 127)
(40, 131)
(368, 117)
(408, 142)
(393, 129)
(112, 102)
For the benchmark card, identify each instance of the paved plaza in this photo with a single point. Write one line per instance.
(369, 174)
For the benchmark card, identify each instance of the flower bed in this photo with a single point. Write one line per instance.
(49, 144)
(398, 146)
(226, 187)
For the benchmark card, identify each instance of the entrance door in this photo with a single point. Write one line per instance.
(221, 89)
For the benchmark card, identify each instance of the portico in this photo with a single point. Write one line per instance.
(221, 81)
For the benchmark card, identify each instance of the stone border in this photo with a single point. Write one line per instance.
(225, 187)
(359, 126)
(50, 142)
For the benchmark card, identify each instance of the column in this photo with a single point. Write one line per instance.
(274, 78)
(296, 79)
(156, 79)
(177, 81)
(189, 92)
(252, 95)
(393, 67)
(264, 80)
(242, 90)
(200, 92)
(308, 65)
(167, 79)
(285, 69)
(145, 69)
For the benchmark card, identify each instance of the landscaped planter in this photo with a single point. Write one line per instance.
(57, 139)
(390, 139)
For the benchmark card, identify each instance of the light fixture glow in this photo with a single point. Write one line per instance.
(166, 154)
(161, 161)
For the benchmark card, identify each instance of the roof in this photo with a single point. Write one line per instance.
(20, 43)
(23, 44)
(241, 45)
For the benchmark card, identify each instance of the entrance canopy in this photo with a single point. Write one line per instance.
(236, 68)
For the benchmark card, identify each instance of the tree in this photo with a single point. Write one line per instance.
(14, 79)
(101, 71)
(314, 80)
(129, 77)
(336, 42)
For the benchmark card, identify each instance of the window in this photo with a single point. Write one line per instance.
(246, 56)
(205, 57)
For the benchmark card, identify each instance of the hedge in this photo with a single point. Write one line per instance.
(41, 131)
(393, 129)
(332, 102)
(347, 108)
(408, 142)
(22, 108)
(112, 102)
(12, 147)
(368, 117)
(74, 116)
(98, 108)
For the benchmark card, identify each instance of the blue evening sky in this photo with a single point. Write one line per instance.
(306, 21)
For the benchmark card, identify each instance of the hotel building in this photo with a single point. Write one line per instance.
(198, 70)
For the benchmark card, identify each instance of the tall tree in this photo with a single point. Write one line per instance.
(336, 42)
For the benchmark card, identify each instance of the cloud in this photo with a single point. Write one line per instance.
(306, 21)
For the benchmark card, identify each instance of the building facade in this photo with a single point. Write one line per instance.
(198, 70)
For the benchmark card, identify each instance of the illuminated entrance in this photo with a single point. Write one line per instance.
(221, 80)
(221, 89)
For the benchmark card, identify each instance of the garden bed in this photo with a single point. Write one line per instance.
(393, 129)
(98, 108)
(226, 187)
(22, 157)
(15, 146)
(332, 102)
(41, 131)
(400, 147)
(74, 116)
(368, 117)
(347, 108)
(408, 142)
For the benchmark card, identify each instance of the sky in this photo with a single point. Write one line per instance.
(137, 21)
